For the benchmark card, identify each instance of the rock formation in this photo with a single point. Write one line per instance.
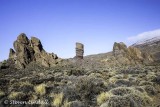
(119, 49)
(12, 53)
(27, 51)
(79, 50)
(130, 55)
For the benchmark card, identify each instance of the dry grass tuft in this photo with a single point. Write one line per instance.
(66, 103)
(58, 98)
(1, 93)
(40, 89)
(16, 95)
(103, 97)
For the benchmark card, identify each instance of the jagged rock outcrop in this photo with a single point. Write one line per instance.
(130, 55)
(79, 50)
(27, 51)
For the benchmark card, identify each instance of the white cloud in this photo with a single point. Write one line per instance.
(145, 35)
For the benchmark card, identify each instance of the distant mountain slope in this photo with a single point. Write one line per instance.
(148, 41)
(151, 46)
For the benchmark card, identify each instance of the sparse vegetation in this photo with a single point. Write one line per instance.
(97, 88)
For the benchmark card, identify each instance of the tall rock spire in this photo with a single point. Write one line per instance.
(79, 50)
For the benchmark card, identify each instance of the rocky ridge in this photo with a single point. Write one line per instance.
(27, 51)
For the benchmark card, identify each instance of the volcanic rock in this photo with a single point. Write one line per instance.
(23, 39)
(150, 46)
(130, 55)
(12, 53)
(24, 51)
(36, 44)
(27, 51)
(119, 49)
(79, 50)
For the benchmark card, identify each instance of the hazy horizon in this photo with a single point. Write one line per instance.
(59, 24)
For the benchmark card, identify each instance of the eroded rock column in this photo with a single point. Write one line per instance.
(79, 50)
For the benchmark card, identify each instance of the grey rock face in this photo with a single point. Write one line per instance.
(79, 50)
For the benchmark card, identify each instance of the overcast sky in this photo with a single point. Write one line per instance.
(95, 23)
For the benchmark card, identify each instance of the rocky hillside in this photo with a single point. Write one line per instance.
(151, 46)
(124, 77)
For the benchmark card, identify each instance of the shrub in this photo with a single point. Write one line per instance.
(26, 87)
(145, 83)
(87, 88)
(123, 82)
(70, 93)
(127, 97)
(112, 80)
(40, 89)
(150, 89)
(121, 91)
(77, 104)
(33, 97)
(125, 76)
(76, 72)
(156, 79)
(118, 101)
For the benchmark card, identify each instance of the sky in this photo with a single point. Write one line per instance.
(59, 24)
